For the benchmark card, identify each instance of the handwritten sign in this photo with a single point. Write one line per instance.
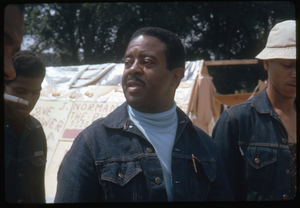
(53, 116)
(51, 175)
(83, 114)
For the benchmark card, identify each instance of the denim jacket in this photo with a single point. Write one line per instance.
(111, 160)
(25, 160)
(252, 141)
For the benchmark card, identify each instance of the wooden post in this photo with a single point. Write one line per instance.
(231, 62)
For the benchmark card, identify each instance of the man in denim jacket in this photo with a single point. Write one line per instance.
(147, 149)
(25, 141)
(257, 138)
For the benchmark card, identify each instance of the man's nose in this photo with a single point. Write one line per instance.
(9, 70)
(30, 97)
(293, 74)
(136, 69)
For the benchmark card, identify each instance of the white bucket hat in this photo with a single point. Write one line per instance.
(281, 42)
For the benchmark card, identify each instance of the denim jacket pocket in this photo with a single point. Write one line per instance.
(208, 167)
(259, 166)
(38, 161)
(120, 172)
(258, 156)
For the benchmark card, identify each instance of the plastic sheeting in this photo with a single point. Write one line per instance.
(101, 82)
(100, 74)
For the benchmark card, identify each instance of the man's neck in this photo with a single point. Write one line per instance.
(280, 102)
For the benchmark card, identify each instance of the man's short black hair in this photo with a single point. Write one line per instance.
(28, 64)
(175, 54)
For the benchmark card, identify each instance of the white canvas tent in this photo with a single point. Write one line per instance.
(73, 97)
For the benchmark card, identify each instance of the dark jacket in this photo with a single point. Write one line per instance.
(255, 152)
(25, 161)
(111, 160)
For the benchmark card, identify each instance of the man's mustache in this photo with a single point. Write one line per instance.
(135, 79)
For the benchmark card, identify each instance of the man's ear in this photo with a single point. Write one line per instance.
(177, 75)
(266, 64)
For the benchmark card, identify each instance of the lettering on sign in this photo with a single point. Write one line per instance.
(83, 114)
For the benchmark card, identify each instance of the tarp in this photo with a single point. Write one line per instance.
(72, 97)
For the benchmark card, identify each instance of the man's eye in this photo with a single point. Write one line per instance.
(127, 63)
(21, 91)
(288, 65)
(147, 62)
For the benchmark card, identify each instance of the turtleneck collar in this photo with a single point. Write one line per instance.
(159, 120)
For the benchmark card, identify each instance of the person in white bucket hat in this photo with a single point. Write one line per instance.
(257, 138)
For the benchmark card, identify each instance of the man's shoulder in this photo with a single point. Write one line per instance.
(242, 105)
(34, 122)
(200, 132)
(113, 120)
(202, 136)
(259, 102)
(241, 109)
(95, 125)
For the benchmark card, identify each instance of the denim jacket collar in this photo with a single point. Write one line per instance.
(30, 124)
(262, 103)
(120, 113)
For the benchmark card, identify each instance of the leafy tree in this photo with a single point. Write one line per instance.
(50, 59)
(54, 25)
(94, 33)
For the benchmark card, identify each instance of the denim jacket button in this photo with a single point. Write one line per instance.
(157, 180)
(257, 160)
(284, 140)
(285, 197)
(287, 171)
(121, 175)
(149, 149)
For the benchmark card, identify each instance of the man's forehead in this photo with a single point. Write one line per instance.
(146, 40)
(24, 82)
(146, 45)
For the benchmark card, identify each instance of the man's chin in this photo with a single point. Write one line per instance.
(22, 114)
(138, 104)
(289, 96)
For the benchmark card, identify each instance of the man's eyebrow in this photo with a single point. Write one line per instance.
(151, 56)
(143, 55)
(22, 88)
(9, 40)
(126, 56)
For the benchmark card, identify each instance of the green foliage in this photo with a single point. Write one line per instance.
(94, 33)
(50, 59)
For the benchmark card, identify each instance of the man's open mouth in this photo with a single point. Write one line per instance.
(135, 82)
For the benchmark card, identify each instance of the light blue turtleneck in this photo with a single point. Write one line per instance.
(160, 130)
